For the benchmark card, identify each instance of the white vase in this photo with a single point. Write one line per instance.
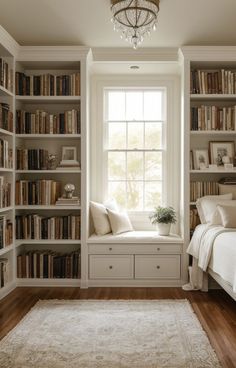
(163, 229)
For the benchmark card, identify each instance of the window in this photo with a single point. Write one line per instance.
(135, 146)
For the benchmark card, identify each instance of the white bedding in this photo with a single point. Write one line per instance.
(223, 259)
(215, 247)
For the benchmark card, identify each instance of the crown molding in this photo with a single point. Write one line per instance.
(8, 42)
(101, 54)
(208, 53)
(52, 53)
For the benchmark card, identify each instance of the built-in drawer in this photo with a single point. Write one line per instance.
(111, 267)
(135, 248)
(157, 267)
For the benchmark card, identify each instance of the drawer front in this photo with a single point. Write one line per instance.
(157, 267)
(135, 248)
(111, 267)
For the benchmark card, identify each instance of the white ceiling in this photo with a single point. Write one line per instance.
(87, 22)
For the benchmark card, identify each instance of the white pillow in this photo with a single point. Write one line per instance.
(207, 206)
(120, 222)
(225, 214)
(100, 218)
(111, 204)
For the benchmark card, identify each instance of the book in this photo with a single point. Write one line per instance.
(39, 192)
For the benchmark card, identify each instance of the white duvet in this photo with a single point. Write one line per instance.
(214, 247)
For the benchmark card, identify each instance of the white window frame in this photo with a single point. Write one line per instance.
(172, 175)
(164, 139)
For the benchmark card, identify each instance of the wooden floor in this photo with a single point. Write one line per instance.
(215, 310)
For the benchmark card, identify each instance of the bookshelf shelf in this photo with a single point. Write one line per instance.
(226, 97)
(6, 132)
(48, 136)
(48, 99)
(6, 249)
(46, 241)
(217, 171)
(53, 207)
(212, 132)
(5, 92)
(59, 171)
(6, 209)
(3, 169)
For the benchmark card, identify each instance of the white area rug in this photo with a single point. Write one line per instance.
(108, 334)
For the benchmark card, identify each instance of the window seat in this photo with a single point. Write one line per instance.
(135, 237)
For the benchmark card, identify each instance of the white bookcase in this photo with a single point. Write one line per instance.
(57, 61)
(207, 59)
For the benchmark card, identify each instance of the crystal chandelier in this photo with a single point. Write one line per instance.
(134, 18)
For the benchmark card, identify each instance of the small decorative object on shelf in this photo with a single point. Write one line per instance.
(201, 159)
(163, 217)
(69, 158)
(51, 161)
(68, 198)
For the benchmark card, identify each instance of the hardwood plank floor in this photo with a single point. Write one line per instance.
(215, 310)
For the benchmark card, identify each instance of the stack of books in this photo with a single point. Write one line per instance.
(5, 193)
(48, 85)
(199, 189)
(6, 232)
(6, 117)
(3, 272)
(42, 122)
(63, 201)
(56, 227)
(6, 75)
(213, 81)
(39, 192)
(31, 159)
(48, 264)
(6, 155)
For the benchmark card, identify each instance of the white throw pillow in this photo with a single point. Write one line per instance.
(100, 218)
(111, 204)
(228, 215)
(207, 206)
(120, 222)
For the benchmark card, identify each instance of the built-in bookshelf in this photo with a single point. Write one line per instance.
(209, 89)
(48, 120)
(7, 172)
(43, 113)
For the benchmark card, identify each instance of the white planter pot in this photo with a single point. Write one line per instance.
(163, 229)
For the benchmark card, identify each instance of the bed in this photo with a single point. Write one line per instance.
(213, 248)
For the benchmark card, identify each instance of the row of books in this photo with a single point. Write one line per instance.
(6, 155)
(199, 189)
(31, 159)
(6, 75)
(42, 122)
(5, 193)
(6, 232)
(213, 118)
(39, 192)
(4, 270)
(194, 218)
(6, 117)
(39, 227)
(47, 85)
(48, 264)
(213, 82)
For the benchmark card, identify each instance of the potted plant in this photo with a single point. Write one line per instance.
(163, 217)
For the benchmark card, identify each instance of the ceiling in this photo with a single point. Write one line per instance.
(87, 22)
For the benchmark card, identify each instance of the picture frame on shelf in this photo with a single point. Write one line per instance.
(200, 159)
(221, 152)
(69, 157)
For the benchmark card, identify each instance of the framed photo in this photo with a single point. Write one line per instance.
(200, 159)
(222, 152)
(69, 154)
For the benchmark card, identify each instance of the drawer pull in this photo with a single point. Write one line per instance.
(110, 248)
(158, 249)
(158, 267)
(111, 267)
